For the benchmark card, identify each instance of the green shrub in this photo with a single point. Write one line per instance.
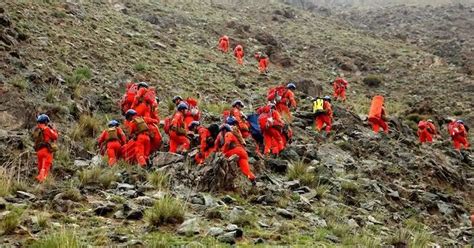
(6, 182)
(43, 220)
(141, 67)
(350, 187)
(421, 239)
(87, 127)
(400, 238)
(373, 80)
(299, 171)
(159, 179)
(19, 82)
(244, 220)
(11, 221)
(97, 175)
(167, 210)
(79, 75)
(59, 240)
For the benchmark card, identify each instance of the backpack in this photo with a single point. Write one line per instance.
(141, 125)
(113, 134)
(318, 106)
(167, 125)
(38, 138)
(255, 128)
(276, 93)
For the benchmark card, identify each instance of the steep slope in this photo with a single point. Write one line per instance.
(71, 60)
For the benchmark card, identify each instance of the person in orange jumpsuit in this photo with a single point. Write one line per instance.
(263, 62)
(232, 146)
(142, 104)
(271, 125)
(378, 118)
(340, 86)
(154, 133)
(111, 140)
(44, 136)
(239, 54)
(458, 132)
(193, 113)
(155, 113)
(287, 101)
(139, 133)
(240, 117)
(206, 141)
(129, 96)
(178, 134)
(224, 44)
(426, 131)
(325, 118)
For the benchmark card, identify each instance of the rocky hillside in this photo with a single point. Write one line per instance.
(71, 59)
(442, 30)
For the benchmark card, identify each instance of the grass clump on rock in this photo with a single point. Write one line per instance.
(299, 171)
(373, 80)
(167, 210)
(59, 240)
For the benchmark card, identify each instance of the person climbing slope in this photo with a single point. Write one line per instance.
(458, 132)
(230, 145)
(111, 141)
(144, 100)
(377, 114)
(44, 137)
(240, 117)
(284, 98)
(263, 62)
(192, 113)
(139, 133)
(426, 131)
(322, 110)
(271, 125)
(207, 138)
(340, 86)
(223, 44)
(239, 54)
(177, 130)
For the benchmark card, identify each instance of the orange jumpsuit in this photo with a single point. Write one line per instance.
(231, 147)
(340, 86)
(459, 136)
(378, 123)
(192, 114)
(425, 132)
(242, 123)
(129, 97)
(140, 105)
(113, 146)
(263, 64)
(325, 118)
(224, 44)
(239, 54)
(154, 132)
(205, 149)
(178, 138)
(271, 126)
(287, 101)
(43, 151)
(142, 141)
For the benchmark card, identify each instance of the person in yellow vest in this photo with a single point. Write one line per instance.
(322, 110)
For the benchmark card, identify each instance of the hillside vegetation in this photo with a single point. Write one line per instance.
(71, 60)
